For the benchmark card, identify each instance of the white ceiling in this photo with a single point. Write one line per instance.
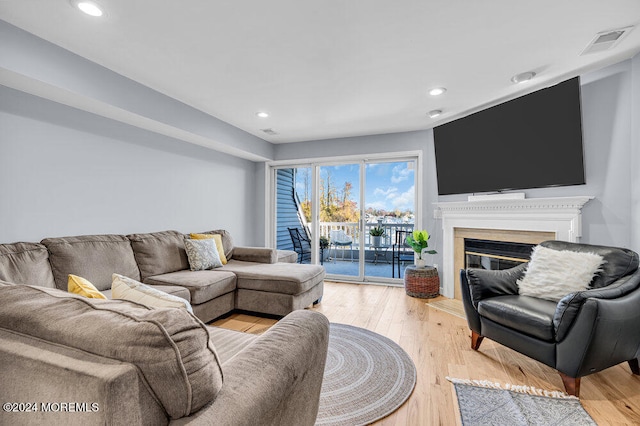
(335, 68)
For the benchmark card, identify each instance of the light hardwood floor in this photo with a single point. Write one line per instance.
(438, 343)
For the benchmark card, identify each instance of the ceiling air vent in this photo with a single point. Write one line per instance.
(270, 132)
(606, 40)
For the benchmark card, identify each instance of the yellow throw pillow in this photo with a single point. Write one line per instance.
(82, 286)
(217, 238)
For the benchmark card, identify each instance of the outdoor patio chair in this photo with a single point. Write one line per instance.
(301, 244)
(339, 238)
(400, 252)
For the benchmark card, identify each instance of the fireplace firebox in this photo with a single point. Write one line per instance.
(495, 255)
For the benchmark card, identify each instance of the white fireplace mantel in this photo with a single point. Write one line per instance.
(561, 215)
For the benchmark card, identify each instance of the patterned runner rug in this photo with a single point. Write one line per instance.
(486, 403)
(367, 377)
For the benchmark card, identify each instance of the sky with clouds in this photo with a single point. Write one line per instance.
(389, 186)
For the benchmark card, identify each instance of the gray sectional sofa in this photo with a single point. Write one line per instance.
(67, 359)
(254, 279)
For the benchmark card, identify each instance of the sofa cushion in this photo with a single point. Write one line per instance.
(255, 254)
(82, 287)
(227, 241)
(202, 254)
(170, 347)
(202, 285)
(26, 263)
(529, 315)
(159, 252)
(127, 289)
(275, 277)
(94, 257)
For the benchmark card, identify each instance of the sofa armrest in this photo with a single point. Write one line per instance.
(471, 311)
(255, 254)
(569, 306)
(487, 283)
(604, 333)
(276, 380)
(96, 389)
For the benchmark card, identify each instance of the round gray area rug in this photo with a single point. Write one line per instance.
(367, 377)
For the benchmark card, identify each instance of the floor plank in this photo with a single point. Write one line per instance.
(245, 323)
(439, 344)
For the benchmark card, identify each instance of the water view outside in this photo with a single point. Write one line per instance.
(390, 193)
(389, 203)
(389, 190)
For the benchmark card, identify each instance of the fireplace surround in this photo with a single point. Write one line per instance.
(530, 220)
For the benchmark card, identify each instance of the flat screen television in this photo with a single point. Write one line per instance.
(532, 141)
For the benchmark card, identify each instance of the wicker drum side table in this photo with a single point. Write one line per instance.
(421, 282)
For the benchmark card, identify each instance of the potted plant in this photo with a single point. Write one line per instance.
(377, 232)
(324, 242)
(418, 241)
(324, 245)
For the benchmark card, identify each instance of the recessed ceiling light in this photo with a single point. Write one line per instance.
(523, 77)
(89, 7)
(262, 114)
(437, 91)
(435, 113)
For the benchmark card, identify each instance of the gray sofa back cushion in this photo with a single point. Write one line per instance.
(159, 252)
(227, 241)
(94, 257)
(26, 263)
(170, 347)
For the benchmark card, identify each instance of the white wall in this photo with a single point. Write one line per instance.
(607, 114)
(68, 172)
(33, 65)
(635, 154)
(610, 149)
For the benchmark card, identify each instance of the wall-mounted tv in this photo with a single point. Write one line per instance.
(532, 141)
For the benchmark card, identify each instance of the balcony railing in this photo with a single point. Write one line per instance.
(351, 229)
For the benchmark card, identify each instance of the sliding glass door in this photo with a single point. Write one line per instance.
(346, 216)
(390, 196)
(340, 212)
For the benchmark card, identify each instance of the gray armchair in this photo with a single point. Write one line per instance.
(585, 332)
